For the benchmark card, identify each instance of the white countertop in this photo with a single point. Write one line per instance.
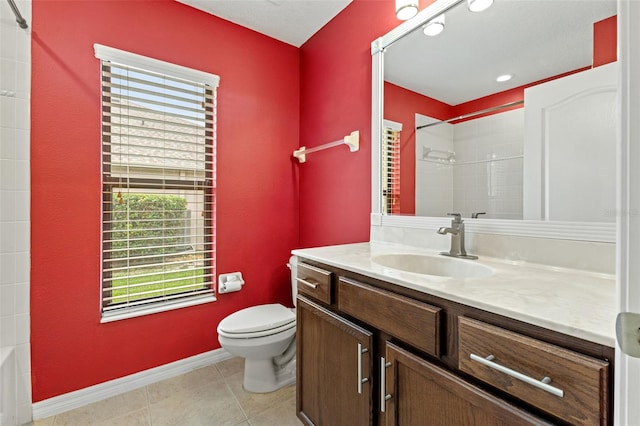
(573, 302)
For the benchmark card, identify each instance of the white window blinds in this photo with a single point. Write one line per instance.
(391, 166)
(158, 174)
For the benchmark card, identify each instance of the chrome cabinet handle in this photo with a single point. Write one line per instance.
(361, 380)
(540, 384)
(307, 283)
(384, 397)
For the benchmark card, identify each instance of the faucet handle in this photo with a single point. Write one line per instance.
(475, 215)
(457, 216)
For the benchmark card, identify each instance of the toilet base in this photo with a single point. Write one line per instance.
(260, 375)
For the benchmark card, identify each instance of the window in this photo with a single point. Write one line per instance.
(158, 181)
(391, 167)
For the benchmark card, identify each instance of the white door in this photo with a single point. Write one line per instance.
(570, 131)
(627, 379)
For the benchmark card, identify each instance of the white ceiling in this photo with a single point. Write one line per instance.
(290, 21)
(532, 39)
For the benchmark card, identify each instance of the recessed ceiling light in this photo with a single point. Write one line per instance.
(504, 77)
(478, 5)
(434, 26)
(406, 9)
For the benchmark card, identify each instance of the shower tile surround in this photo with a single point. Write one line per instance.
(15, 73)
(487, 173)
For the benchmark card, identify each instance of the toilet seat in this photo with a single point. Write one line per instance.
(257, 321)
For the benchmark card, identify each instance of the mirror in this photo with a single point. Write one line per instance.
(539, 146)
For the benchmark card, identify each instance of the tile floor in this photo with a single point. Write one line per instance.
(208, 396)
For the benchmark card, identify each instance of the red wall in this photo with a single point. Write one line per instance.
(335, 99)
(257, 211)
(605, 41)
(401, 105)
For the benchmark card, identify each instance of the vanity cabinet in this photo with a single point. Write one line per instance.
(382, 354)
(409, 320)
(564, 383)
(314, 282)
(418, 392)
(334, 368)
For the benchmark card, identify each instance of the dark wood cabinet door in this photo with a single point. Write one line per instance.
(334, 356)
(423, 394)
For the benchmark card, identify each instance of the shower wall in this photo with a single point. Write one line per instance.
(15, 79)
(486, 174)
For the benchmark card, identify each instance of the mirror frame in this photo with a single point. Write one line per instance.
(580, 231)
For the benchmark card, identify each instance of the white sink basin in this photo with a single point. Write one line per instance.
(440, 266)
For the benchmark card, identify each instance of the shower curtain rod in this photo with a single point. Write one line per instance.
(472, 114)
(19, 19)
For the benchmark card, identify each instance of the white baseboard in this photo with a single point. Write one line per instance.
(72, 400)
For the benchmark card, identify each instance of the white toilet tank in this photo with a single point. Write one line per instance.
(293, 265)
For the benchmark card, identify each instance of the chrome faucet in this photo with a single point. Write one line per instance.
(457, 237)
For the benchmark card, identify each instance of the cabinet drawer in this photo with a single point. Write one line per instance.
(576, 388)
(413, 322)
(423, 394)
(314, 282)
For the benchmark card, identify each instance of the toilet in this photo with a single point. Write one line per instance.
(264, 336)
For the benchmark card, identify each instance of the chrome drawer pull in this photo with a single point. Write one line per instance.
(307, 283)
(384, 397)
(541, 384)
(361, 380)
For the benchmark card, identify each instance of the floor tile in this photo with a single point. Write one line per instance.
(47, 421)
(230, 366)
(110, 408)
(255, 403)
(186, 383)
(282, 414)
(135, 418)
(207, 405)
(209, 396)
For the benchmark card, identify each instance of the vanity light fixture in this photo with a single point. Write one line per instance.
(406, 9)
(504, 77)
(478, 5)
(434, 26)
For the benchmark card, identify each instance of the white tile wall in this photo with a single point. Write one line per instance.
(434, 180)
(482, 179)
(15, 88)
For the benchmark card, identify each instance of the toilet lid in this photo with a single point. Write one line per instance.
(257, 318)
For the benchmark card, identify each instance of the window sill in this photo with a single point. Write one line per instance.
(153, 309)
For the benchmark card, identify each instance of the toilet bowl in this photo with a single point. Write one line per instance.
(264, 336)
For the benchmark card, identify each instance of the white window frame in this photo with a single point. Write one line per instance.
(116, 56)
